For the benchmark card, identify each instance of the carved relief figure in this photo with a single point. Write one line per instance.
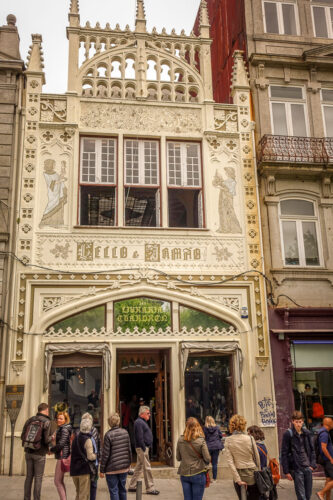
(57, 194)
(228, 219)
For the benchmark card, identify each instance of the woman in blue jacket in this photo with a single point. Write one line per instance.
(213, 436)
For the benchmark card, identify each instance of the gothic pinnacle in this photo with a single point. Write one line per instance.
(74, 8)
(140, 20)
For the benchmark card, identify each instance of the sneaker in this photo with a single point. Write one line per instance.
(153, 492)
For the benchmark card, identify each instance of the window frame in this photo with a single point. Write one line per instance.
(328, 18)
(96, 184)
(327, 104)
(299, 219)
(190, 188)
(287, 104)
(157, 187)
(280, 20)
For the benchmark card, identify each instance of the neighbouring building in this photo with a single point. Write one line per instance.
(11, 120)
(289, 53)
(139, 212)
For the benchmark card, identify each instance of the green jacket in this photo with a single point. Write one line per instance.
(190, 462)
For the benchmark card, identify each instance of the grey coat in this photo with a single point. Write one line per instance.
(190, 463)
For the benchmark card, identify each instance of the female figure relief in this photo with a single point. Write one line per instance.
(57, 194)
(228, 219)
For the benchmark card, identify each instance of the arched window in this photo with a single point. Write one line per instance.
(91, 318)
(193, 318)
(300, 233)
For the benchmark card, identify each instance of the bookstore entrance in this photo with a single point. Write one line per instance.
(143, 378)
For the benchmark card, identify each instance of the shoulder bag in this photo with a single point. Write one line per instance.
(263, 478)
(207, 471)
(92, 466)
(273, 465)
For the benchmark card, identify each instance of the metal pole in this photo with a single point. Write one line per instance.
(138, 490)
(12, 425)
(243, 492)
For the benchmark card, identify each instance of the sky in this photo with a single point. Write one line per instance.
(50, 19)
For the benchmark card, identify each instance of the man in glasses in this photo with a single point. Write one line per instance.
(143, 440)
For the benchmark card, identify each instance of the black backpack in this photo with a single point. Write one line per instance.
(317, 447)
(33, 435)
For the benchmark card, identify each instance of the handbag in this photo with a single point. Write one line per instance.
(207, 471)
(65, 464)
(263, 477)
(93, 468)
(273, 465)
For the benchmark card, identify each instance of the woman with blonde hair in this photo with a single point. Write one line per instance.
(194, 457)
(243, 457)
(213, 436)
(61, 449)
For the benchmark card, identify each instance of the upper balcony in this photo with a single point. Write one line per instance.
(296, 150)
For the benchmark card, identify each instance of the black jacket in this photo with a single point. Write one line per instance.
(142, 434)
(46, 436)
(291, 450)
(116, 453)
(79, 461)
(95, 435)
(62, 448)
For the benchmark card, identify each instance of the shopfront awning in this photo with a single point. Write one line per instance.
(187, 348)
(51, 349)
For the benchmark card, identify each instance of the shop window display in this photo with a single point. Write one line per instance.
(77, 390)
(208, 388)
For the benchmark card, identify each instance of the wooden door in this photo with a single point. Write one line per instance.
(159, 414)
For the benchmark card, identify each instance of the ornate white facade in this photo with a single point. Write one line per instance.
(135, 85)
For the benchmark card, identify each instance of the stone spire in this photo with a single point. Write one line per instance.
(240, 78)
(9, 39)
(204, 20)
(140, 20)
(35, 57)
(74, 16)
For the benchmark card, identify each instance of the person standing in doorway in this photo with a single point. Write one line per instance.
(298, 457)
(143, 441)
(116, 458)
(326, 451)
(194, 457)
(36, 438)
(213, 436)
(61, 449)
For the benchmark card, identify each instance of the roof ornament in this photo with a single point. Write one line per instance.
(240, 77)
(204, 20)
(140, 20)
(35, 56)
(74, 16)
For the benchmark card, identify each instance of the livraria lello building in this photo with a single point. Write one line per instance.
(139, 239)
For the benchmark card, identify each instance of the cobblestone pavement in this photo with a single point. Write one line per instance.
(11, 488)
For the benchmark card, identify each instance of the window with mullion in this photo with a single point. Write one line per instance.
(280, 18)
(288, 111)
(97, 181)
(184, 184)
(299, 233)
(142, 190)
(327, 107)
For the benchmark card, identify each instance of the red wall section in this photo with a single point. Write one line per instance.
(227, 19)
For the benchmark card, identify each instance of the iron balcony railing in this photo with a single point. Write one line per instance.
(285, 148)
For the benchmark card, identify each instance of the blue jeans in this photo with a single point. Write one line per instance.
(193, 486)
(117, 486)
(215, 458)
(303, 483)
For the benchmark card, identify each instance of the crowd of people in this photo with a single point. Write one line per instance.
(198, 448)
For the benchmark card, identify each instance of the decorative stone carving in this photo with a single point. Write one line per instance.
(57, 194)
(262, 362)
(50, 303)
(144, 118)
(18, 367)
(53, 110)
(225, 120)
(228, 219)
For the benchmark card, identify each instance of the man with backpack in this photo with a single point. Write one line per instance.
(36, 437)
(326, 456)
(298, 457)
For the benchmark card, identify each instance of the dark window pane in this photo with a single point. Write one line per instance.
(193, 318)
(97, 206)
(141, 207)
(310, 244)
(320, 22)
(142, 313)
(208, 388)
(281, 92)
(327, 95)
(297, 207)
(290, 243)
(289, 19)
(184, 208)
(272, 25)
